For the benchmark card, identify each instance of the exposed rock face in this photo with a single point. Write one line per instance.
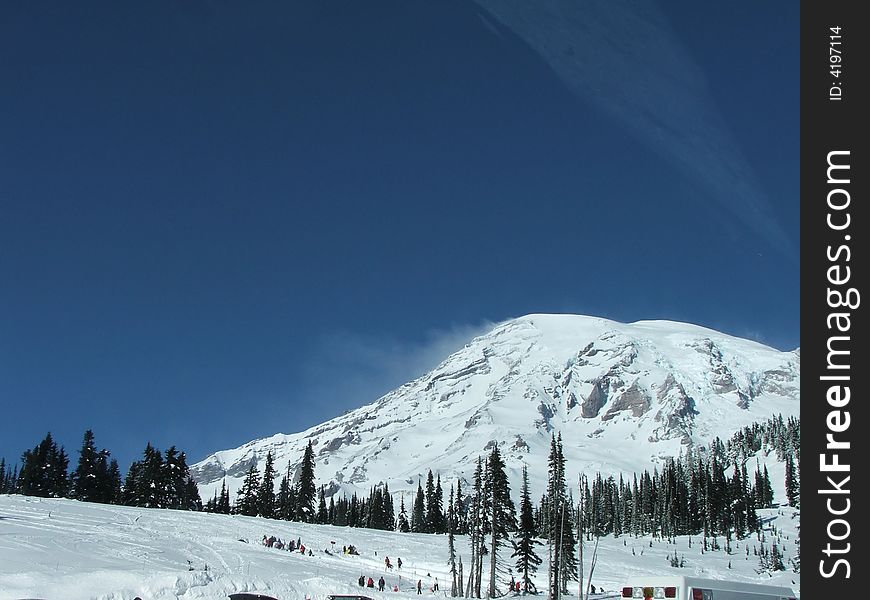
(633, 399)
(621, 395)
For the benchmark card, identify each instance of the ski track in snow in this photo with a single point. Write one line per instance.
(51, 548)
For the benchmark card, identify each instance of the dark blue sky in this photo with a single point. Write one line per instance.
(223, 220)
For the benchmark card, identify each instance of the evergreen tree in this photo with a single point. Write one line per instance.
(439, 520)
(147, 480)
(44, 470)
(305, 489)
(322, 514)
(86, 482)
(560, 536)
(266, 491)
(402, 523)
(433, 510)
(285, 500)
(223, 504)
(130, 495)
(502, 512)
(175, 476)
(246, 499)
(461, 527)
(527, 560)
(792, 486)
(114, 490)
(418, 513)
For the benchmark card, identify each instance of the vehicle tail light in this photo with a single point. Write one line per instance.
(626, 592)
(670, 592)
(697, 594)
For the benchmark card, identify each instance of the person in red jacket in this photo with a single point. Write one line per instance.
(370, 583)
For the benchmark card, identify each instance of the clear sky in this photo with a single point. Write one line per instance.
(219, 220)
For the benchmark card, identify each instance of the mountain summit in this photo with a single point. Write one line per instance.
(623, 397)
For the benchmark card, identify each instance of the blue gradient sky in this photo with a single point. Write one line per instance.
(219, 220)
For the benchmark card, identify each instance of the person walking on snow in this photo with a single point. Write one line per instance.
(381, 584)
(419, 587)
(399, 562)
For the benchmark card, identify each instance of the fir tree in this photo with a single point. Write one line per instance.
(285, 500)
(223, 500)
(322, 514)
(418, 512)
(246, 500)
(266, 491)
(44, 470)
(305, 489)
(402, 523)
(502, 513)
(114, 489)
(527, 560)
(130, 495)
(792, 486)
(434, 516)
(86, 478)
(438, 519)
(556, 506)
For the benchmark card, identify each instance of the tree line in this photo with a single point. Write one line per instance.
(159, 480)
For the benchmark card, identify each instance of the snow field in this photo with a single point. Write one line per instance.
(55, 548)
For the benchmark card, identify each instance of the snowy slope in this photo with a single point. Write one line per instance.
(76, 550)
(622, 395)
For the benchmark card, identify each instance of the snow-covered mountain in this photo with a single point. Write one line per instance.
(623, 397)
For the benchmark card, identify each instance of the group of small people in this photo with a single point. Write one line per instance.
(291, 546)
(382, 584)
(389, 565)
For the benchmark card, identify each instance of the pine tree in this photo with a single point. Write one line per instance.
(44, 470)
(175, 476)
(556, 502)
(439, 521)
(418, 512)
(86, 479)
(246, 500)
(402, 523)
(305, 489)
(285, 500)
(461, 527)
(130, 495)
(433, 508)
(322, 514)
(527, 560)
(478, 527)
(502, 512)
(113, 489)
(792, 486)
(266, 491)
